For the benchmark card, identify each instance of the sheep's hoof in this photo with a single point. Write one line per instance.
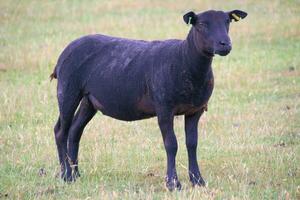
(198, 182)
(173, 184)
(70, 177)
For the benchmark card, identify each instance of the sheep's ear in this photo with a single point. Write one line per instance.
(190, 18)
(236, 15)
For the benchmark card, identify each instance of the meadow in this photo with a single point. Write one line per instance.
(249, 140)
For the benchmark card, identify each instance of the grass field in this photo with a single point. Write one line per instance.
(249, 144)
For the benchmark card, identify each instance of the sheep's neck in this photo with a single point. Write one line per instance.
(197, 63)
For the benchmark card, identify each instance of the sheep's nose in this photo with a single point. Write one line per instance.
(223, 48)
(223, 43)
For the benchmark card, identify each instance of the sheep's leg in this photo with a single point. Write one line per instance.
(83, 116)
(191, 132)
(165, 121)
(67, 106)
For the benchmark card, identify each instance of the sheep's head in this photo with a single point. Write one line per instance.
(210, 30)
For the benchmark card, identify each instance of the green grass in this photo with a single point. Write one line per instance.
(249, 144)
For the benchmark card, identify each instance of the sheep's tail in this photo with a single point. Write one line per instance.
(54, 74)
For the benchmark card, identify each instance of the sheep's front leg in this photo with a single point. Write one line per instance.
(165, 121)
(191, 132)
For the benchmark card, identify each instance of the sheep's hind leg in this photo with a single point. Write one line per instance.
(84, 114)
(67, 107)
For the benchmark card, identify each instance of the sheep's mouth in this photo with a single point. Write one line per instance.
(223, 52)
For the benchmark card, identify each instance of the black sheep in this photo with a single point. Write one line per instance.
(135, 79)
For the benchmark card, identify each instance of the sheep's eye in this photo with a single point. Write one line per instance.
(203, 24)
